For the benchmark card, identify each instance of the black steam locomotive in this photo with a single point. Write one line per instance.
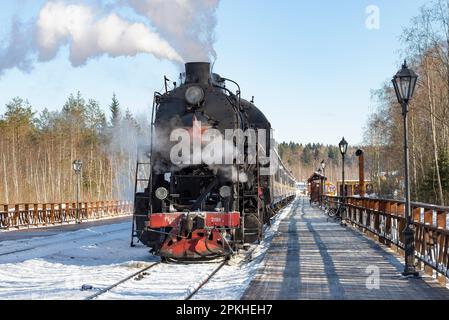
(214, 178)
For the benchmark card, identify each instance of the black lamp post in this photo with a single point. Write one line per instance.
(323, 166)
(321, 186)
(343, 145)
(77, 167)
(404, 83)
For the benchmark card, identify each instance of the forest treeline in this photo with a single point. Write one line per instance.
(304, 160)
(37, 151)
(425, 45)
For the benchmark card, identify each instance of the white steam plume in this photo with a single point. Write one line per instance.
(16, 54)
(183, 32)
(187, 24)
(88, 37)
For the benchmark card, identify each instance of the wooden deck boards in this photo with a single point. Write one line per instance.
(313, 259)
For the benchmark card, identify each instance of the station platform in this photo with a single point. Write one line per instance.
(312, 258)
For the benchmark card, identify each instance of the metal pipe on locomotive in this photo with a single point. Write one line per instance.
(193, 209)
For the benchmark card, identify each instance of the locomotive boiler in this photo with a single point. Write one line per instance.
(214, 178)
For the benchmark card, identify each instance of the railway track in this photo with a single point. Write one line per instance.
(204, 282)
(53, 243)
(115, 285)
(141, 272)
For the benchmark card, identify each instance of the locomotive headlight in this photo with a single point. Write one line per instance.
(194, 95)
(225, 192)
(161, 193)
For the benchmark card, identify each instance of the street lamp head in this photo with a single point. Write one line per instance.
(404, 83)
(77, 166)
(343, 146)
(323, 164)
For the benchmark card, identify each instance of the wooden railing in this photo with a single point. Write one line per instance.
(385, 219)
(35, 215)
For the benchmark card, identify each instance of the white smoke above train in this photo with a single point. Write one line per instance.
(174, 30)
(188, 25)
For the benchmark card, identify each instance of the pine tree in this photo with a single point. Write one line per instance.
(95, 118)
(115, 111)
(75, 106)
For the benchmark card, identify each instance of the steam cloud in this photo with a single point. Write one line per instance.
(183, 32)
(16, 53)
(59, 23)
(187, 24)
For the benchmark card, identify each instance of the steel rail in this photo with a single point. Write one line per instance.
(115, 285)
(203, 283)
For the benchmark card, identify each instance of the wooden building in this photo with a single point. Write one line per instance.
(316, 186)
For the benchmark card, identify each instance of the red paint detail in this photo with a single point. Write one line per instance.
(197, 131)
(173, 248)
(164, 220)
(230, 220)
(213, 219)
(199, 245)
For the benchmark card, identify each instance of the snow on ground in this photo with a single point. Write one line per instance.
(164, 282)
(56, 267)
(232, 281)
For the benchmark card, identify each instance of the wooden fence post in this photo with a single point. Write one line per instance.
(5, 219)
(68, 213)
(401, 221)
(441, 219)
(86, 211)
(61, 213)
(416, 216)
(44, 211)
(52, 213)
(428, 216)
(386, 214)
(27, 215)
(36, 214)
(16, 216)
(97, 209)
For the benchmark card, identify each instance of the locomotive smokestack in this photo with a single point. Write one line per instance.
(198, 72)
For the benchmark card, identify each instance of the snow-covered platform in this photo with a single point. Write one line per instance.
(311, 258)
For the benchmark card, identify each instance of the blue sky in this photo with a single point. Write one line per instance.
(311, 65)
